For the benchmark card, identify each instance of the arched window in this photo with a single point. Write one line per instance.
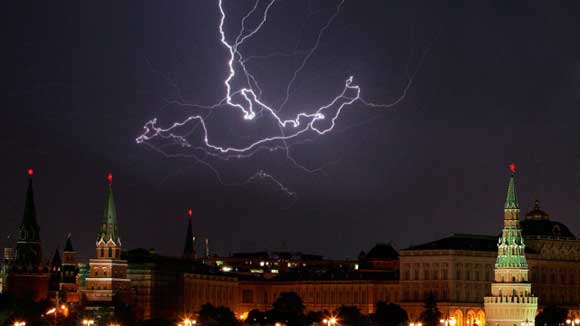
(102, 252)
(110, 252)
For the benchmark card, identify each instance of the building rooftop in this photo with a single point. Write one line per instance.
(456, 241)
(382, 251)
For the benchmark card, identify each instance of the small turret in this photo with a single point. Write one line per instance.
(7, 260)
(55, 269)
(69, 262)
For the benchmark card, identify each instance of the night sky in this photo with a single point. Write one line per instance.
(496, 82)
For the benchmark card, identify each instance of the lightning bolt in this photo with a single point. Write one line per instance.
(247, 102)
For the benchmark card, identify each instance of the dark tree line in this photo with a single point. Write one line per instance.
(289, 309)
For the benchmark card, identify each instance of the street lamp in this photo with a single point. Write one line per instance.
(19, 323)
(447, 321)
(88, 322)
(416, 324)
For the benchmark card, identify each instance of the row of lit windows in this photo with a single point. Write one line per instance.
(555, 296)
(555, 277)
(216, 295)
(103, 272)
(443, 275)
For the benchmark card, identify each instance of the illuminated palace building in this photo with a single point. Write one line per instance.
(476, 279)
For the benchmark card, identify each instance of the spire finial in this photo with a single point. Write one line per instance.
(30, 172)
(511, 201)
(110, 178)
(189, 212)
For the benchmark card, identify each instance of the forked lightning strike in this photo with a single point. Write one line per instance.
(247, 101)
(320, 121)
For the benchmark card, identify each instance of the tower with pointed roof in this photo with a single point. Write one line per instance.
(189, 247)
(28, 275)
(511, 301)
(69, 289)
(69, 262)
(107, 272)
(28, 248)
(55, 276)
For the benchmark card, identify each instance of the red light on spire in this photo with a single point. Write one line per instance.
(110, 178)
(513, 167)
(30, 172)
(190, 212)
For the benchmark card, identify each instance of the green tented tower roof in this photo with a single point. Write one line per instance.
(109, 230)
(511, 201)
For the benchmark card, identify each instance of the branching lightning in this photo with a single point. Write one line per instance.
(248, 103)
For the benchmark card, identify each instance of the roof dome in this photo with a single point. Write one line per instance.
(537, 224)
(537, 214)
(545, 229)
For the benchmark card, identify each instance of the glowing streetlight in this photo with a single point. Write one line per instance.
(415, 324)
(329, 321)
(188, 322)
(573, 322)
(62, 309)
(19, 323)
(448, 321)
(88, 322)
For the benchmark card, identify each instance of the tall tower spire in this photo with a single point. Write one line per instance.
(28, 275)
(511, 200)
(511, 244)
(511, 301)
(189, 247)
(28, 248)
(109, 232)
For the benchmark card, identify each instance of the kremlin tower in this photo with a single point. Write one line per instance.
(28, 276)
(108, 272)
(511, 301)
(189, 247)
